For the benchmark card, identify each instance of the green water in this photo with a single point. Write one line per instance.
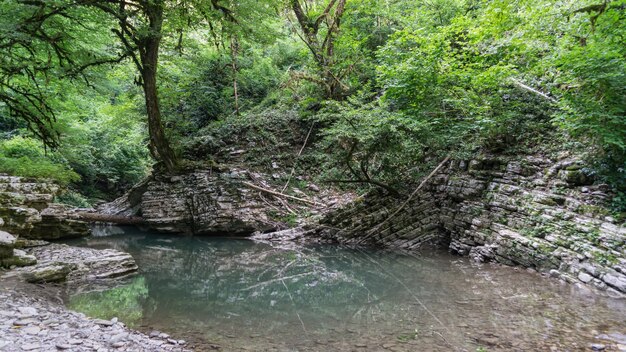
(236, 295)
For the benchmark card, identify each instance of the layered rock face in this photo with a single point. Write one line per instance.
(534, 212)
(26, 211)
(202, 202)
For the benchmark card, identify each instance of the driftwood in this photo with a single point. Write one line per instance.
(114, 219)
(278, 194)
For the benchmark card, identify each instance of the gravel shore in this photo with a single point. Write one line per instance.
(33, 317)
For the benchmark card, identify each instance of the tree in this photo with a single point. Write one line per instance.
(34, 53)
(140, 30)
(38, 55)
(319, 33)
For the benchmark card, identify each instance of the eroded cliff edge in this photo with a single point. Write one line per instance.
(531, 211)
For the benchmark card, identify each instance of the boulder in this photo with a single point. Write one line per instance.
(19, 258)
(7, 243)
(50, 272)
(59, 262)
(26, 210)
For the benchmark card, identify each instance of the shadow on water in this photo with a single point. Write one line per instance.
(243, 295)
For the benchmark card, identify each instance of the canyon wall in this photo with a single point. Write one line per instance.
(530, 211)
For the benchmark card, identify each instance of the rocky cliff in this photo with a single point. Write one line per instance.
(26, 210)
(208, 202)
(531, 211)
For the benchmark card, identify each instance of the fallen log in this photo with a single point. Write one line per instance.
(114, 219)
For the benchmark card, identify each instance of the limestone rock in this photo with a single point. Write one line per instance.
(58, 262)
(198, 203)
(575, 177)
(59, 221)
(26, 210)
(19, 258)
(516, 212)
(7, 242)
(51, 272)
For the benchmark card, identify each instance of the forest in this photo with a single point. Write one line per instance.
(312, 175)
(97, 94)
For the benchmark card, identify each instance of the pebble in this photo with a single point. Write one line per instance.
(27, 312)
(24, 322)
(598, 347)
(63, 346)
(31, 346)
(103, 322)
(31, 330)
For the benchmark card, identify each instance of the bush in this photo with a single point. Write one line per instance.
(26, 157)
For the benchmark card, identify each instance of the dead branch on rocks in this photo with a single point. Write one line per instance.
(421, 185)
(278, 194)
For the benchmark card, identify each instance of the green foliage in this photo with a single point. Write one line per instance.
(27, 157)
(418, 81)
(366, 140)
(105, 143)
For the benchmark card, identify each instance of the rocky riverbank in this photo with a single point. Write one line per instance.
(33, 318)
(32, 314)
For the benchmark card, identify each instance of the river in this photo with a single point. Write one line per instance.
(240, 295)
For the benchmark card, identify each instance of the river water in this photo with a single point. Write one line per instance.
(238, 295)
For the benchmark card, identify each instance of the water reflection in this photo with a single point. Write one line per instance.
(125, 302)
(242, 295)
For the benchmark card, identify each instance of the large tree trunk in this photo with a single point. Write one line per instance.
(149, 54)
